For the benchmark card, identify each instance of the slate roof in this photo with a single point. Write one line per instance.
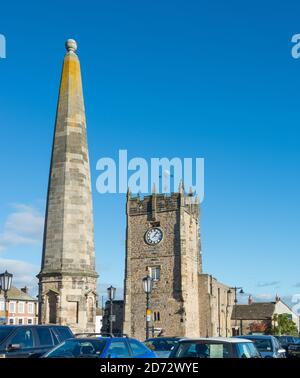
(254, 311)
(17, 294)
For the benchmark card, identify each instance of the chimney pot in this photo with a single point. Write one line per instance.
(250, 300)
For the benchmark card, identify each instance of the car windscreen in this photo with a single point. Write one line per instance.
(161, 345)
(78, 348)
(263, 345)
(4, 332)
(203, 350)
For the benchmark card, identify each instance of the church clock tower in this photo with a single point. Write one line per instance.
(163, 240)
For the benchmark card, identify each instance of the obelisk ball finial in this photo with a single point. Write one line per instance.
(71, 45)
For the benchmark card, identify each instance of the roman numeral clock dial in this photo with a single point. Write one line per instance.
(153, 236)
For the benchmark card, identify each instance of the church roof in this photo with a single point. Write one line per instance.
(254, 311)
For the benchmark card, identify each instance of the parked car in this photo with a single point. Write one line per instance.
(100, 347)
(267, 345)
(162, 346)
(30, 340)
(214, 348)
(286, 341)
(294, 349)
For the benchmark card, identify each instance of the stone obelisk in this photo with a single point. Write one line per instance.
(67, 280)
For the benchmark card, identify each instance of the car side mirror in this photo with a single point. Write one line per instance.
(12, 347)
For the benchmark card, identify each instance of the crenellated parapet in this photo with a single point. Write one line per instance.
(159, 203)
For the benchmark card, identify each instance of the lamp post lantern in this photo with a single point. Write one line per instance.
(111, 291)
(5, 285)
(148, 285)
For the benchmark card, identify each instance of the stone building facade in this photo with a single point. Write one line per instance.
(182, 301)
(21, 308)
(67, 280)
(215, 307)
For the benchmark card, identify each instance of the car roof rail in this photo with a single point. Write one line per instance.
(121, 335)
(103, 334)
(93, 334)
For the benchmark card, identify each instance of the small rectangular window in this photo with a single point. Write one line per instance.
(12, 307)
(21, 307)
(30, 308)
(154, 273)
(20, 321)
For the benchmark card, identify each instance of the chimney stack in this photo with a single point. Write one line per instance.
(250, 300)
(24, 289)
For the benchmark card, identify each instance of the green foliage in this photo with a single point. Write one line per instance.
(283, 325)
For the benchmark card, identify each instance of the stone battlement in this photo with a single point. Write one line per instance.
(161, 202)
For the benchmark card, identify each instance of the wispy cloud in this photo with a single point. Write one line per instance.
(24, 226)
(262, 297)
(23, 273)
(268, 283)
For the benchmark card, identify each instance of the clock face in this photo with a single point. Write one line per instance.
(153, 236)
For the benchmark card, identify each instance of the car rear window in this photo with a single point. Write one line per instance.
(203, 350)
(4, 332)
(63, 333)
(137, 348)
(45, 336)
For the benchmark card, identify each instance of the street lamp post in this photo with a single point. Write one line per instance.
(5, 285)
(111, 296)
(241, 291)
(148, 285)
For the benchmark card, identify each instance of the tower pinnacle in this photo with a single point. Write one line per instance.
(71, 45)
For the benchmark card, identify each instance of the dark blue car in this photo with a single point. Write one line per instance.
(100, 347)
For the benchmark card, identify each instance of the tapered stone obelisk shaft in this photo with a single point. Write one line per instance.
(67, 281)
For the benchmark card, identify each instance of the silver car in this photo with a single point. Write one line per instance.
(214, 347)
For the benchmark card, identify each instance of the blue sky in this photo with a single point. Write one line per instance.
(209, 79)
